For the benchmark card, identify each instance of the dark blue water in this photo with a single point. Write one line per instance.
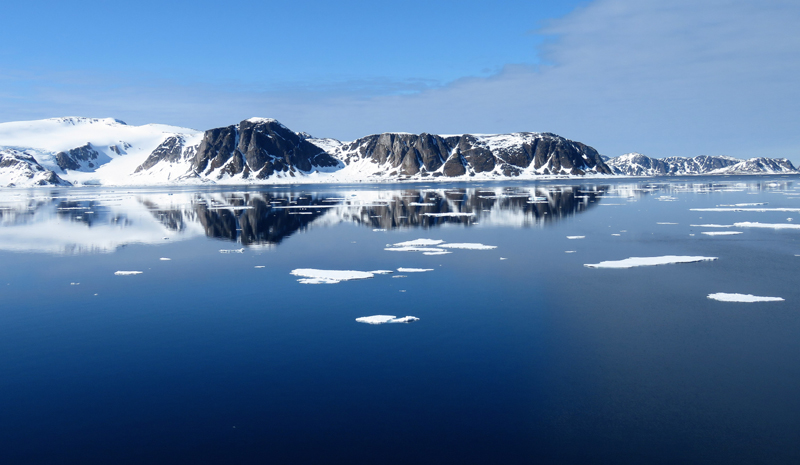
(532, 359)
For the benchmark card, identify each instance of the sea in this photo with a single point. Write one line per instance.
(208, 324)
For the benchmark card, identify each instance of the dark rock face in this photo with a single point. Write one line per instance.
(84, 157)
(25, 167)
(171, 151)
(508, 155)
(257, 147)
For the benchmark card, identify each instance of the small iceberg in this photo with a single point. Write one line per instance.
(468, 246)
(442, 252)
(721, 233)
(711, 225)
(649, 261)
(312, 276)
(165, 259)
(127, 273)
(414, 249)
(382, 319)
(726, 297)
(414, 270)
(748, 224)
(576, 237)
(419, 243)
(232, 250)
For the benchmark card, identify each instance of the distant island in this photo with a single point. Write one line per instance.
(76, 151)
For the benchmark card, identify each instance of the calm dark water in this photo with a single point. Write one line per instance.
(205, 358)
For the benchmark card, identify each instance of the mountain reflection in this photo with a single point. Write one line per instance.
(71, 221)
(66, 222)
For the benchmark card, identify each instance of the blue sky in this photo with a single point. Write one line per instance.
(665, 78)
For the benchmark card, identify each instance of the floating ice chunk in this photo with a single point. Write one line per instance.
(469, 246)
(381, 319)
(165, 259)
(649, 261)
(503, 258)
(569, 251)
(576, 237)
(313, 276)
(399, 276)
(232, 250)
(449, 214)
(381, 271)
(442, 252)
(711, 225)
(259, 266)
(746, 209)
(748, 224)
(419, 243)
(720, 233)
(126, 273)
(616, 234)
(665, 223)
(379, 230)
(744, 204)
(414, 270)
(414, 249)
(725, 297)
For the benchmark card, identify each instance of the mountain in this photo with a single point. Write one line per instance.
(92, 151)
(636, 164)
(87, 150)
(20, 169)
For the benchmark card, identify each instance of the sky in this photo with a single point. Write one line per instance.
(663, 78)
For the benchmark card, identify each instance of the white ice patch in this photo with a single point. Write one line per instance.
(576, 237)
(165, 259)
(726, 297)
(418, 243)
(414, 249)
(449, 214)
(748, 224)
(649, 261)
(711, 225)
(126, 273)
(746, 209)
(379, 230)
(232, 250)
(259, 266)
(665, 223)
(468, 246)
(721, 233)
(569, 251)
(381, 271)
(414, 270)
(443, 252)
(381, 319)
(312, 276)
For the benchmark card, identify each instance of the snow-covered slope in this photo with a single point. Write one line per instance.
(636, 164)
(20, 169)
(88, 150)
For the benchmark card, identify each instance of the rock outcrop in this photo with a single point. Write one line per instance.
(18, 169)
(636, 164)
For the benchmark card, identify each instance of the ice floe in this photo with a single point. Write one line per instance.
(232, 250)
(381, 319)
(414, 249)
(414, 270)
(748, 224)
(711, 225)
(468, 246)
(313, 276)
(419, 243)
(449, 214)
(379, 230)
(649, 261)
(165, 259)
(126, 273)
(663, 222)
(442, 252)
(381, 271)
(726, 297)
(746, 209)
(576, 237)
(721, 233)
